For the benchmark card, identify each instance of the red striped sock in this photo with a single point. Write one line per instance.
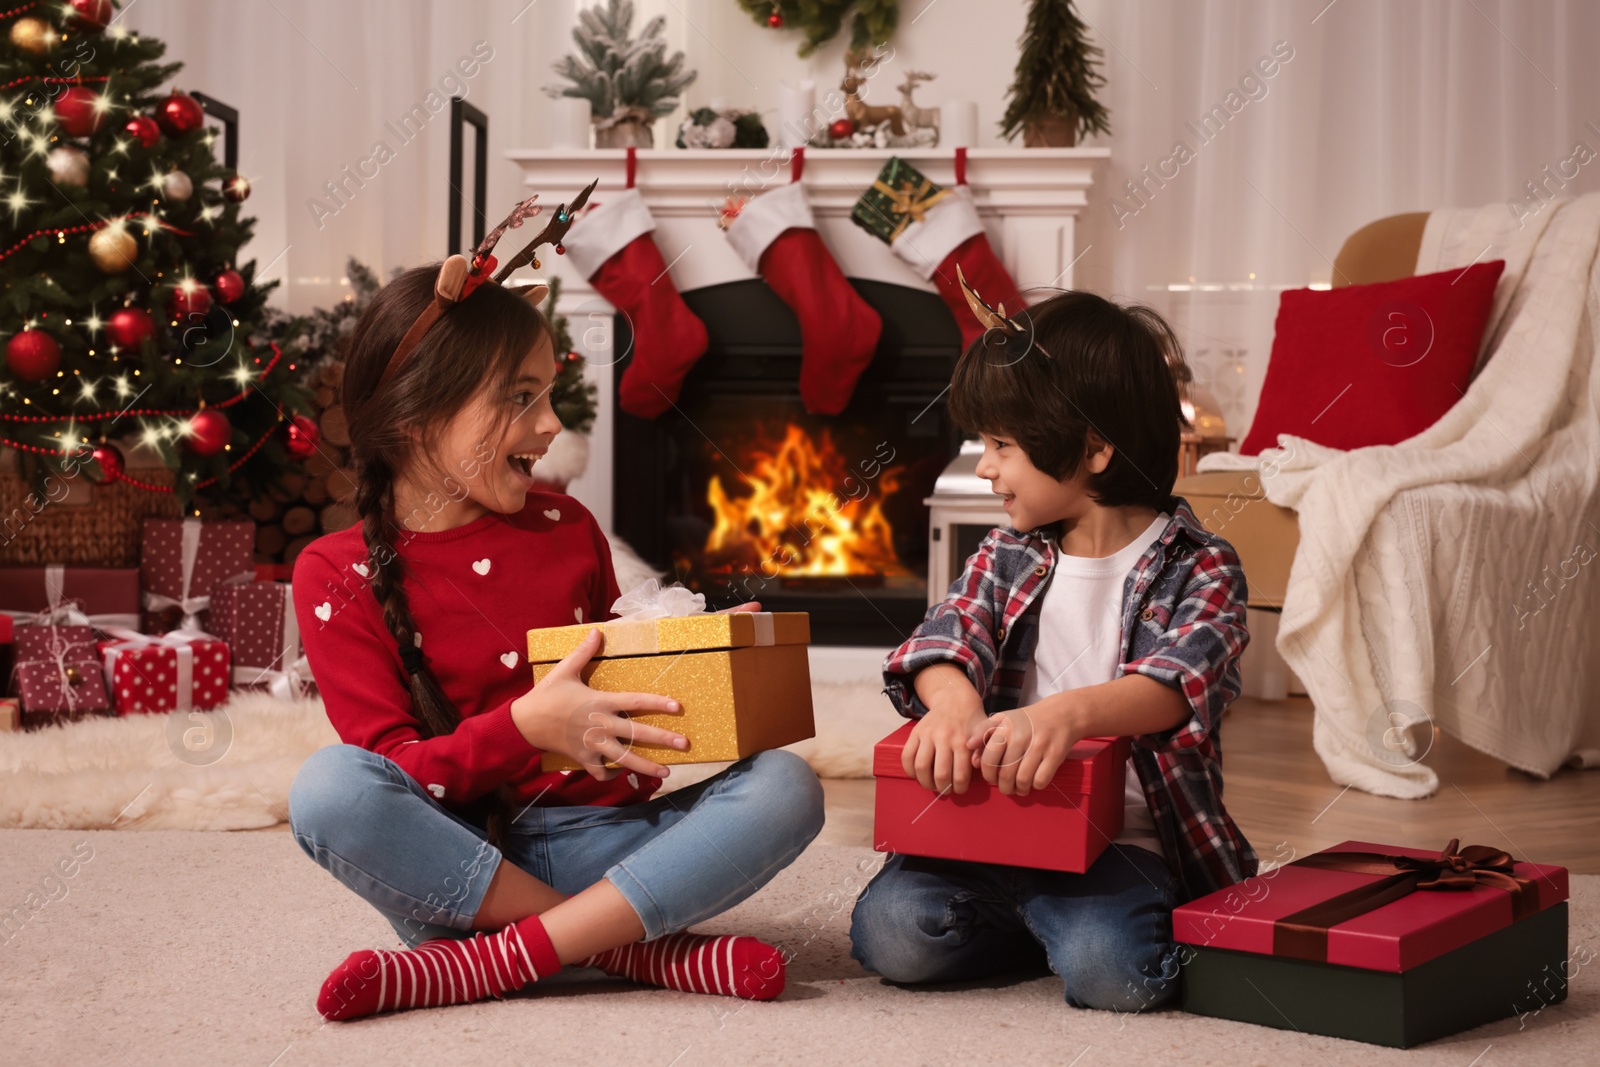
(691, 963)
(439, 972)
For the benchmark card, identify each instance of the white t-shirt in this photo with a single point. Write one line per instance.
(1080, 643)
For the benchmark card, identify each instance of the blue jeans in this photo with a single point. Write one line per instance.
(1107, 933)
(678, 859)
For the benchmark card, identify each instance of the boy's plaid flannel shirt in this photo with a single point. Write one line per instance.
(1183, 624)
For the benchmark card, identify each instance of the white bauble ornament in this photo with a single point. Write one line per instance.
(69, 165)
(177, 186)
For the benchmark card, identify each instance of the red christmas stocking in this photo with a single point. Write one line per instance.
(950, 234)
(612, 247)
(777, 238)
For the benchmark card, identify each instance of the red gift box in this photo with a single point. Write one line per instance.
(109, 596)
(182, 561)
(1063, 828)
(1393, 946)
(178, 671)
(1396, 936)
(258, 622)
(57, 675)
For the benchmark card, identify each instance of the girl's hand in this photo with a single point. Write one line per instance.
(562, 714)
(748, 605)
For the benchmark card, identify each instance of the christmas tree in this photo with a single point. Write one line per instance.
(126, 315)
(1057, 73)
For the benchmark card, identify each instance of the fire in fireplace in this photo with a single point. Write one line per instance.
(746, 496)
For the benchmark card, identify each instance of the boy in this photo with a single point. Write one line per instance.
(1103, 609)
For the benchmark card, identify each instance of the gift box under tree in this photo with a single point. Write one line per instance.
(177, 671)
(258, 622)
(108, 596)
(183, 561)
(57, 676)
(742, 677)
(1376, 943)
(1062, 828)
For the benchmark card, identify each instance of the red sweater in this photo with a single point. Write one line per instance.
(474, 591)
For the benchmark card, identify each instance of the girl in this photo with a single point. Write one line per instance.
(435, 810)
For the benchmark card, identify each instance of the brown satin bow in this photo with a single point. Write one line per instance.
(1304, 934)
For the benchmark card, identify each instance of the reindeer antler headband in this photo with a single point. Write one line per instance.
(458, 278)
(991, 318)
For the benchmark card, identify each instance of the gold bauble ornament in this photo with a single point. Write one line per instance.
(32, 35)
(113, 249)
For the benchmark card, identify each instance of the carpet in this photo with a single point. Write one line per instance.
(231, 769)
(172, 948)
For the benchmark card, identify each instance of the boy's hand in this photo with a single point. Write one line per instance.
(936, 753)
(1021, 750)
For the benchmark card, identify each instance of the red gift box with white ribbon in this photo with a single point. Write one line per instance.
(185, 670)
(57, 674)
(1062, 828)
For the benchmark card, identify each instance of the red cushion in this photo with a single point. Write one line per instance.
(1372, 364)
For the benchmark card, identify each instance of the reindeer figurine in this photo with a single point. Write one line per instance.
(918, 117)
(856, 60)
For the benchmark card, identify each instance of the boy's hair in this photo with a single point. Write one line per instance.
(1081, 365)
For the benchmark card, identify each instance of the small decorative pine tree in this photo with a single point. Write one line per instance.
(874, 22)
(619, 72)
(571, 394)
(1057, 72)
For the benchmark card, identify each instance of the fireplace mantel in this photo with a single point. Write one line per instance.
(1029, 199)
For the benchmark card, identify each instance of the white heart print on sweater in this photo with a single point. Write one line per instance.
(481, 566)
(325, 611)
(436, 789)
(361, 569)
(553, 514)
(509, 659)
(577, 613)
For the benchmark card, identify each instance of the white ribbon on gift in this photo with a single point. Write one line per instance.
(181, 641)
(635, 632)
(63, 612)
(191, 606)
(58, 657)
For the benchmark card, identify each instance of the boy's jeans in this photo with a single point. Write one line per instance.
(1107, 933)
(678, 859)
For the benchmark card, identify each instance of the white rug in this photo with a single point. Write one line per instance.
(231, 769)
(169, 949)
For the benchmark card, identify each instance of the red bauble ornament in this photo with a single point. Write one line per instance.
(143, 128)
(33, 355)
(91, 15)
(75, 111)
(128, 327)
(236, 188)
(775, 19)
(109, 457)
(301, 437)
(189, 298)
(229, 286)
(839, 129)
(179, 114)
(209, 432)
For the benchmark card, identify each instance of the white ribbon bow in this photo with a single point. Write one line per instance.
(191, 606)
(652, 600)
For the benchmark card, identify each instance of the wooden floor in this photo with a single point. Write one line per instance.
(1281, 796)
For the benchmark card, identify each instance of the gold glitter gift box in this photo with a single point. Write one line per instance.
(742, 678)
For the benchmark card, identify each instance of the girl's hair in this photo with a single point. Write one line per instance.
(477, 344)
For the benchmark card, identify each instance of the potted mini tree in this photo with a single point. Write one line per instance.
(628, 81)
(1052, 98)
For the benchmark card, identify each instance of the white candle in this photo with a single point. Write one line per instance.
(796, 123)
(958, 124)
(569, 122)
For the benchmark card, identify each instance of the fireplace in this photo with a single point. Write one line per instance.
(742, 495)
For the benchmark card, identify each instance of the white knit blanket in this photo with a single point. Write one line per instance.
(1453, 577)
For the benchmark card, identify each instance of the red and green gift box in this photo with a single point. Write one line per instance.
(177, 671)
(1062, 828)
(183, 561)
(1376, 943)
(57, 676)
